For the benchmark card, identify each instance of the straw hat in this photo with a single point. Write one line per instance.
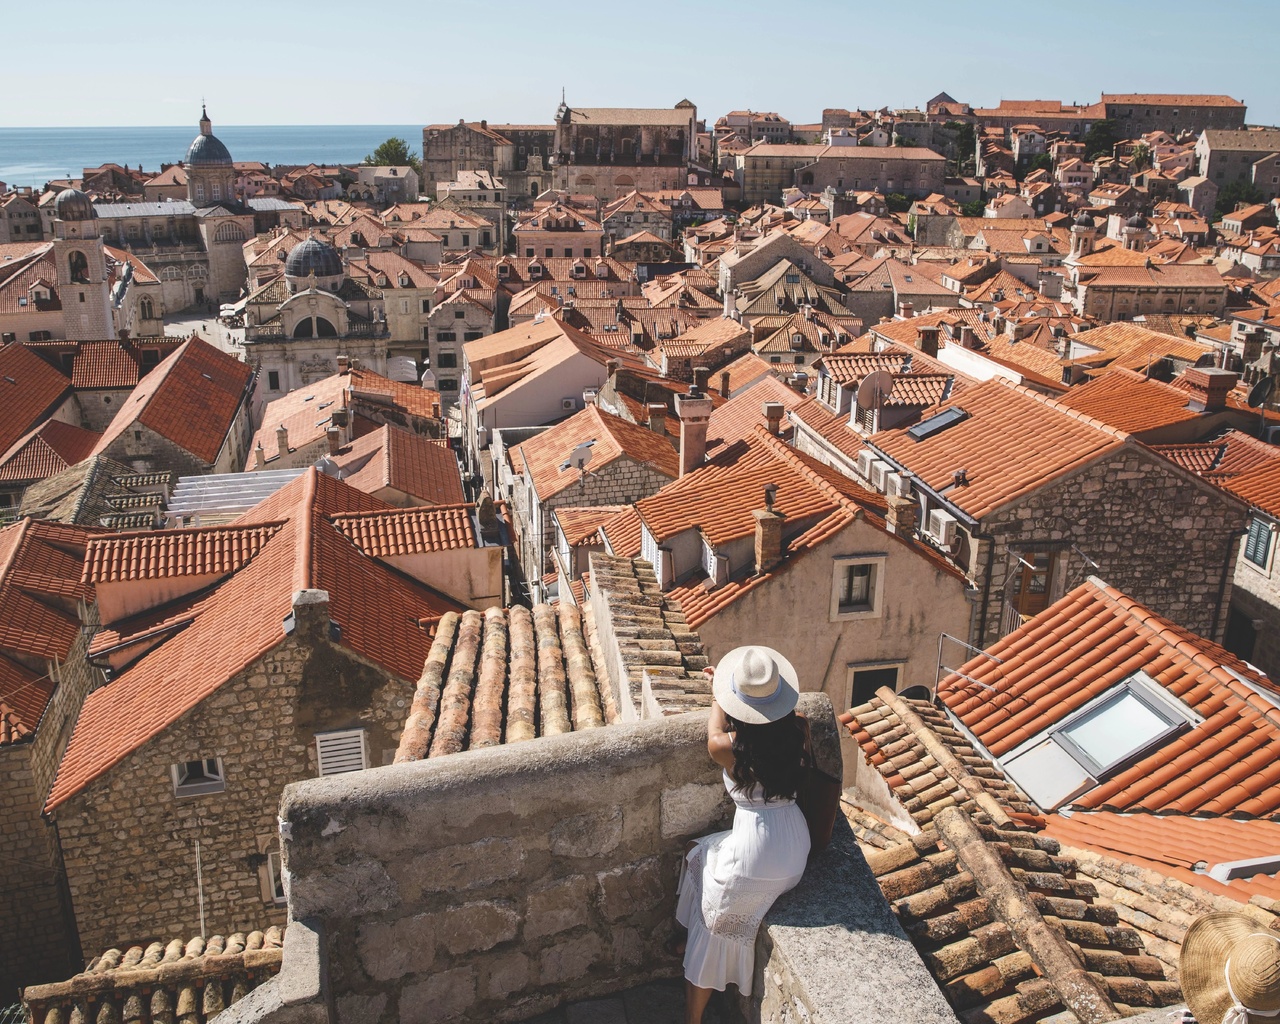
(756, 685)
(1230, 970)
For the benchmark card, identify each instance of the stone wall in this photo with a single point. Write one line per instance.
(1163, 536)
(1256, 598)
(129, 844)
(496, 884)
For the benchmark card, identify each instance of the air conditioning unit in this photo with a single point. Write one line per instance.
(897, 485)
(879, 474)
(942, 527)
(568, 404)
(863, 463)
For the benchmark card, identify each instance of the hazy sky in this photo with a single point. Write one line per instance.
(329, 62)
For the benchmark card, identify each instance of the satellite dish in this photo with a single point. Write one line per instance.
(578, 458)
(874, 389)
(1260, 392)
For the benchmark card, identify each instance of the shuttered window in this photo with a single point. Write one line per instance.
(342, 751)
(1257, 545)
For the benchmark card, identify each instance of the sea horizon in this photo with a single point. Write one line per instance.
(33, 156)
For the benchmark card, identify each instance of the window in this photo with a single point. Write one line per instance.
(1257, 544)
(446, 336)
(197, 778)
(426, 305)
(8, 337)
(275, 877)
(341, 751)
(865, 680)
(856, 586)
(273, 380)
(447, 384)
(472, 335)
(447, 360)
(459, 314)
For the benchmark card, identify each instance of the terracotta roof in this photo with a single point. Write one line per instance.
(746, 369)
(1088, 643)
(1010, 442)
(29, 390)
(409, 531)
(159, 554)
(1134, 347)
(384, 617)
(581, 525)
(546, 455)
(40, 585)
(201, 976)
(1179, 846)
(1246, 466)
(104, 364)
(738, 418)
(1129, 401)
(50, 448)
(832, 427)
(424, 468)
(192, 399)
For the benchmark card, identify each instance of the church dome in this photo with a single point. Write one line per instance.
(313, 255)
(1083, 220)
(72, 204)
(206, 150)
(1136, 221)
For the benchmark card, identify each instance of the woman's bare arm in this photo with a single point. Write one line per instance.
(719, 738)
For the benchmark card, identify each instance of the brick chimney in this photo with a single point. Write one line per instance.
(334, 436)
(657, 417)
(701, 378)
(906, 310)
(903, 517)
(724, 383)
(694, 410)
(773, 413)
(282, 439)
(768, 538)
(1209, 387)
(928, 340)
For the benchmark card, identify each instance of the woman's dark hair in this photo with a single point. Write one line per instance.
(771, 756)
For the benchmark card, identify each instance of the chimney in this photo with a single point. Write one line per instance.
(611, 367)
(259, 457)
(773, 412)
(694, 410)
(928, 340)
(334, 436)
(657, 417)
(906, 310)
(344, 364)
(966, 337)
(282, 439)
(1209, 387)
(724, 383)
(435, 410)
(768, 538)
(701, 378)
(309, 620)
(903, 516)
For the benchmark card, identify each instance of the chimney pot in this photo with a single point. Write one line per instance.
(906, 310)
(928, 340)
(902, 517)
(334, 436)
(701, 377)
(611, 367)
(259, 457)
(773, 413)
(768, 547)
(1209, 387)
(724, 383)
(282, 439)
(694, 411)
(344, 364)
(657, 417)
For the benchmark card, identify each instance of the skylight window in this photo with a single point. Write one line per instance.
(1111, 732)
(936, 424)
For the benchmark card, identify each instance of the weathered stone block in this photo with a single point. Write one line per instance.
(390, 951)
(690, 809)
(439, 997)
(504, 975)
(558, 907)
(587, 835)
(568, 960)
(629, 888)
(361, 1009)
(465, 866)
(473, 927)
(351, 891)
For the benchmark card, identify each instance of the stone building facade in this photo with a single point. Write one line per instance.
(610, 151)
(519, 154)
(130, 845)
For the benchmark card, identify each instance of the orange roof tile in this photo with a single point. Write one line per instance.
(1010, 442)
(104, 364)
(192, 399)
(29, 390)
(581, 525)
(159, 554)
(409, 531)
(1129, 401)
(1090, 641)
(738, 417)
(422, 467)
(1177, 844)
(832, 427)
(50, 448)
(614, 438)
(384, 617)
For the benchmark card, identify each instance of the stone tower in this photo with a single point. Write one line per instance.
(211, 177)
(1083, 234)
(82, 268)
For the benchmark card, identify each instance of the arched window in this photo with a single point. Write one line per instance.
(146, 309)
(587, 148)
(304, 329)
(325, 329)
(229, 232)
(78, 265)
(171, 273)
(623, 181)
(585, 181)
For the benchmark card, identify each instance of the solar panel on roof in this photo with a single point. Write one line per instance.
(937, 424)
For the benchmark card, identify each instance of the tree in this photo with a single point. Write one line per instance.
(1100, 139)
(1141, 158)
(394, 153)
(1234, 193)
(897, 202)
(966, 141)
(973, 209)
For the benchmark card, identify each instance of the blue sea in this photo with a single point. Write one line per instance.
(32, 156)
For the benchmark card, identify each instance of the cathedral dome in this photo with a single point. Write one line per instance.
(206, 150)
(72, 204)
(313, 255)
(1083, 220)
(1136, 221)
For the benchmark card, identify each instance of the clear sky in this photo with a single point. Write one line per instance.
(331, 62)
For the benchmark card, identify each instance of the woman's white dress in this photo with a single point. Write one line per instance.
(729, 881)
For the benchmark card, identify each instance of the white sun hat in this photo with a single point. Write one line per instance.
(755, 685)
